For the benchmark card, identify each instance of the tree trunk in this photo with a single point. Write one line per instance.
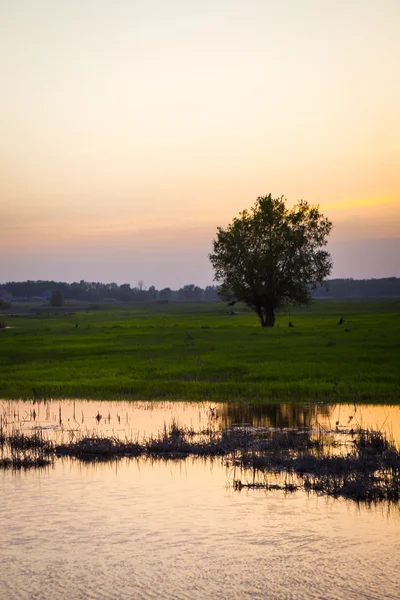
(260, 314)
(270, 317)
(266, 316)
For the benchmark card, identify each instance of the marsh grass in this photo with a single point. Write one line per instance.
(364, 466)
(21, 451)
(90, 449)
(200, 352)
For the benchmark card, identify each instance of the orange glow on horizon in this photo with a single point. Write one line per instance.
(149, 127)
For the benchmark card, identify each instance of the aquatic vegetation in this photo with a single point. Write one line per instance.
(357, 464)
(21, 451)
(98, 448)
(364, 468)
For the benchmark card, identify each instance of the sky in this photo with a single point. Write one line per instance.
(130, 130)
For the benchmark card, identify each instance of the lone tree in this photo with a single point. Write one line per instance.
(272, 256)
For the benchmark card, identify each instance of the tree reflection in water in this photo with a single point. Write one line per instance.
(274, 415)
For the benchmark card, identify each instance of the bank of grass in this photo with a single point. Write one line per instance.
(200, 352)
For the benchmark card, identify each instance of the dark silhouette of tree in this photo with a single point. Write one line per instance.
(190, 292)
(125, 292)
(272, 256)
(152, 293)
(211, 293)
(165, 295)
(57, 298)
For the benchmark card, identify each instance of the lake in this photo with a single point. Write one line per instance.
(150, 528)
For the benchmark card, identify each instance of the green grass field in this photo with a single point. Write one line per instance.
(200, 352)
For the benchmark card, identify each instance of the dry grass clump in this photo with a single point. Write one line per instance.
(21, 451)
(98, 448)
(20, 441)
(178, 441)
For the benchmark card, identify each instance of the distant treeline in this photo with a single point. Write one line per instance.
(388, 287)
(103, 292)
(112, 292)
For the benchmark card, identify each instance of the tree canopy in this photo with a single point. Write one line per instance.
(272, 256)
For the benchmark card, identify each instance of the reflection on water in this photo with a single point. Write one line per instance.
(275, 415)
(145, 529)
(138, 419)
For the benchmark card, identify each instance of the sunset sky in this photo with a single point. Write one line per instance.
(129, 130)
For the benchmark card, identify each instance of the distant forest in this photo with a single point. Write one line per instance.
(41, 291)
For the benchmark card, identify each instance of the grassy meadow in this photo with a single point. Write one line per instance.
(200, 352)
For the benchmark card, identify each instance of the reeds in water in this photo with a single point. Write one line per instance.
(363, 465)
(21, 451)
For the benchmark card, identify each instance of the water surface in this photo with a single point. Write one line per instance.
(146, 529)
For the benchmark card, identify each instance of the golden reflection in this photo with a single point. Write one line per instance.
(177, 529)
(69, 418)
